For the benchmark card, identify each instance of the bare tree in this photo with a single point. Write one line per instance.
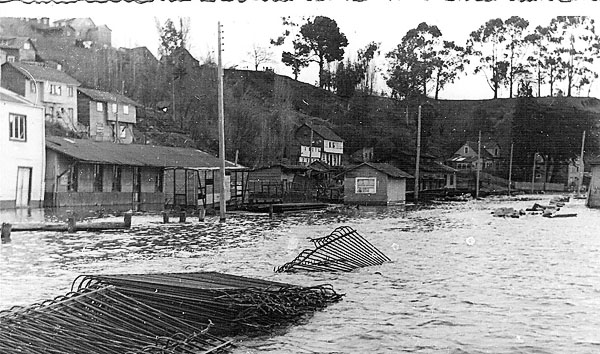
(260, 55)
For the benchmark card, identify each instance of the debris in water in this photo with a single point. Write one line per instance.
(343, 250)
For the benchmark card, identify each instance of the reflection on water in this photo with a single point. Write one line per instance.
(461, 281)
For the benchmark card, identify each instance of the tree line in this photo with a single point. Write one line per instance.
(423, 63)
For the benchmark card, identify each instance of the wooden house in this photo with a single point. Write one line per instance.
(87, 173)
(317, 142)
(21, 152)
(106, 116)
(46, 86)
(16, 49)
(375, 184)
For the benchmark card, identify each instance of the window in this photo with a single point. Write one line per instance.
(365, 185)
(70, 113)
(70, 90)
(32, 87)
(114, 108)
(466, 149)
(17, 127)
(50, 111)
(99, 107)
(10, 59)
(55, 90)
(26, 45)
(125, 109)
(98, 174)
(116, 180)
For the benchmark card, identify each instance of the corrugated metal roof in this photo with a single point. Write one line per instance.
(385, 168)
(134, 154)
(42, 73)
(104, 96)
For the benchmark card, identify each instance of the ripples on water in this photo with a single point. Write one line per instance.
(461, 281)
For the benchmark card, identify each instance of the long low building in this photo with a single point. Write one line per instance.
(81, 172)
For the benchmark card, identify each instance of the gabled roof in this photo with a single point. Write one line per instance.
(134, 154)
(14, 42)
(324, 132)
(385, 168)
(42, 73)
(12, 97)
(104, 96)
(284, 167)
(474, 146)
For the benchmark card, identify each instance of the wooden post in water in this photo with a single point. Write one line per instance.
(165, 215)
(5, 234)
(182, 216)
(201, 214)
(533, 174)
(127, 219)
(71, 227)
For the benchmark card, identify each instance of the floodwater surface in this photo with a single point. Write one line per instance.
(460, 280)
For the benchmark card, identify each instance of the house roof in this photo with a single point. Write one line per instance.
(134, 154)
(324, 132)
(104, 96)
(385, 168)
(42, 73)
(14, 42)
(283, 166)
(9, 96)
(462, 159)
(474, 146)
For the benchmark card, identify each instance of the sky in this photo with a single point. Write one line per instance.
(255, 22)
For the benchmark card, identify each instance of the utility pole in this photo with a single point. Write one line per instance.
(510, 167)
(478, 166)
(221, 128)
(533, 173)
(418, 155)
(580, 181)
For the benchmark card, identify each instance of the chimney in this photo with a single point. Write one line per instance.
(45, 20)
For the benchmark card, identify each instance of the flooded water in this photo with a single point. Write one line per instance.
(461, 280)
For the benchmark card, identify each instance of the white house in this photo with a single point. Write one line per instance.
(22, 152)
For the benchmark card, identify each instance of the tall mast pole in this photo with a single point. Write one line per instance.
(580, 181)
(510, 167)
(418, 157)
(221, 129)
(478, 166)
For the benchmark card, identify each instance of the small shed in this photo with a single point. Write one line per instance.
(375, 184)
(593, 200)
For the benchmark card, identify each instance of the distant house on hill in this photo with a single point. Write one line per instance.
(16, 49)
(50, 87)
(316, 142)
(465, 158)
(375, 184)
(107, 116)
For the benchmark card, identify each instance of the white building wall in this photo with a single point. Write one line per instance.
(28, 154)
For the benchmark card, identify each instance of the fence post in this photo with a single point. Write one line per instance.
(6, 229)
(71, 227)
(165, 215)
(127, 220)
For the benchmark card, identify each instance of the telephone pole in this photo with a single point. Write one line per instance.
(580, 181)
(478, 165)
(221, 128)
(418, 155)
(510, 167)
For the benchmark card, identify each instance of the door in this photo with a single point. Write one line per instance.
(23, 187)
